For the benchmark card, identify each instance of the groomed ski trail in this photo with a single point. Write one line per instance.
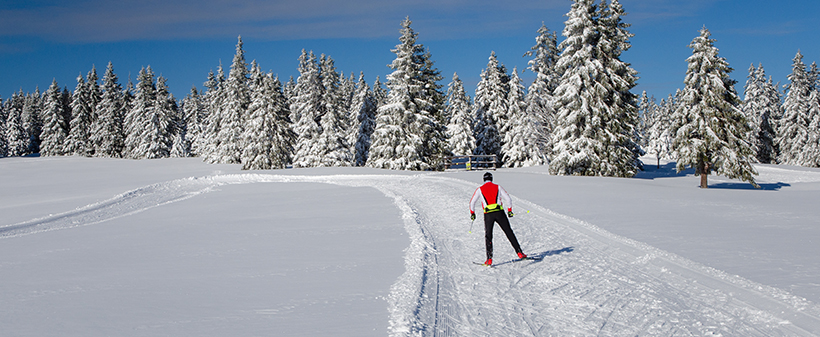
(590, 282)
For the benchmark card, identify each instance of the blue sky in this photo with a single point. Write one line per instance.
(41, 40)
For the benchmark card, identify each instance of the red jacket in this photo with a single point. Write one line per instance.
(488, 194)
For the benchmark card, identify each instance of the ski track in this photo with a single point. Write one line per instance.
(589, 283)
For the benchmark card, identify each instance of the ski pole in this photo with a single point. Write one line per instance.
(471, 227)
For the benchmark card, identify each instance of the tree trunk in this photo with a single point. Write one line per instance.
(704, 174)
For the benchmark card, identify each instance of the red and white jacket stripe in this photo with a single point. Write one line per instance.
(490, 193)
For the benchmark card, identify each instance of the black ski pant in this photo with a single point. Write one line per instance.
(489, 222)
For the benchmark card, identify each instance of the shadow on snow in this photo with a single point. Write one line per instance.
(538, 257)
(667, 170)
(747, 186)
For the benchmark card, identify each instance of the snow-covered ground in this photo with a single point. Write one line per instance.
(97, 247)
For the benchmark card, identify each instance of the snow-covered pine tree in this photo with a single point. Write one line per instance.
(332, 142)
(709, 126)
(644, 112)
(762, 106)
(207, 142)
(287, 90)
(232, 110)
(379, 92)
(158, 137)
(283, 137)
(267, 134)
(406, 131)
(33, 121)
(794, 133)
(352, 115)
(127, 104)
(347, 88)
(811, 154)
(623, 120)
(259, 129)
(94, 92)
(137, 120)
(659, 135)
(16, 136)
(432, 99)
(3, 144)
(82, 116)
(490, 108)
(364, 110)
(539, 97)
(192, 112)
(170, 140)
(460, 139)
(596, 114)
(521, 140)
(107, 134)
(55, 126)
(307, 110)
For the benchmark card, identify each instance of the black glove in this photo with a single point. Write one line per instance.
(510, 213)
(472, 216)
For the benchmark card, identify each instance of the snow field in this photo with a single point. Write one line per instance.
(246, 280)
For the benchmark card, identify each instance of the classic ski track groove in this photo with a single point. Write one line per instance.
(589, 282)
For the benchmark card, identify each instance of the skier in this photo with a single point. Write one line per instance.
(494, 198)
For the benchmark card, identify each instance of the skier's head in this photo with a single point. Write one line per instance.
(488, 176)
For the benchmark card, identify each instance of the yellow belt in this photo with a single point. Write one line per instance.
(493, 208)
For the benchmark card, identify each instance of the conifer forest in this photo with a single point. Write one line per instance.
(580, 115)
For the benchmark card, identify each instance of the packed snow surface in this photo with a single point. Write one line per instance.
(97, 247)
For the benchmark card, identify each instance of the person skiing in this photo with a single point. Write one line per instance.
(493, 199)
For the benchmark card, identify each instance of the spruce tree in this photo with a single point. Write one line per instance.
(33, 121)
(108, 136)
(307, 110)
(659, 135)
(332, 142)
(160, 133)
(196, 115)
(460, 139)
(16, 136)
(364, 109)
(287, 90)
(82, 116)
(624, 122)
(407, 134)
(205, 145)
(259, 129)
(267, 134)
(379, 93)
(232, 110)
(762, 106)
(138, 121)
(596, 114)
(284, 137)
(521, 140)
(539, 98)
(811, 154)
(432, 100)
(795, 133)
(709, 126)
(645, 113)
(3, 142)
(55, 126)
(490, 108)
